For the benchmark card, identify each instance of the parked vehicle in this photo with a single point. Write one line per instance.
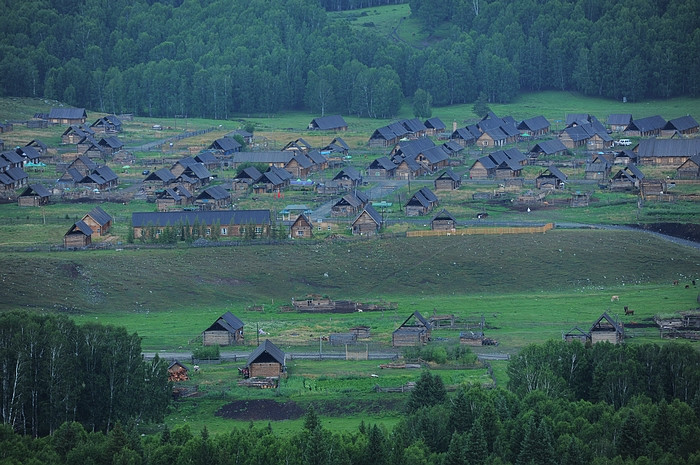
(624, 142)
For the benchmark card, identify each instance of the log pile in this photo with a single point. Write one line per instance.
(260, 383)
(177, 374)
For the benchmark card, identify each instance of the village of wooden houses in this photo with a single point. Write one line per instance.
(400, 179)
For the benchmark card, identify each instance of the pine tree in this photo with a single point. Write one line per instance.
(477, 449)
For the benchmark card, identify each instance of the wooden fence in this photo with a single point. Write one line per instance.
(494, 230)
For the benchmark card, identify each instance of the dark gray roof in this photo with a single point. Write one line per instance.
(554, 171)
(226, 144)
(16, 173)
(67, 113)
(681, 124)
(326, 123)
(435, 154)
(650, 123)
(619, 119)
(206, 158)
(228, 321)
(452, 146)
(421, 321)
(224, 217)
(354, 199)
(414, 125)
(668, 147)
(577, 118)
(536, 123)
(28, 152)
(12, 156)
(36, 189)
(198, 170)
(163, 174)
(250, 172)
(263, 157)
(612, 322)
(100, 216)
(338, 141)
(434, 123)
(448, 173)
(87, 161)
(374, 214)
(444, 215)
(548, 147)
(81, 226)
(106, 173)
(213, 193)
(577, 133)
(316, 157)
(267, 347)
(348, 172)
(384, 163)
(111, 141)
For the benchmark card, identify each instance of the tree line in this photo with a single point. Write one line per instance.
(214, 60)
(54, 371)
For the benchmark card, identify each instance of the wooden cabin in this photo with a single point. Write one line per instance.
(367, 223)
(78, 236)
(576, 334)
(225, 331)
(362, 332)
(413, 331)
(471, 338)
(301, 228)
(421, 203)
(443, 221)
(267, 361)
(605, 329)
(551, 178)
(34, 195)
(448, 180)
(98, 220)
(690, 169)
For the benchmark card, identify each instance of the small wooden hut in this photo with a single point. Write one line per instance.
(413, 331)
(226, 330)
(606, 329)
(362, 332)
(34, 195)
(79, 235)
(177, 372)
(576, 334)
(267, 361)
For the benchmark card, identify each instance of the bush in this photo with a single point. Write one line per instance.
(206, 353)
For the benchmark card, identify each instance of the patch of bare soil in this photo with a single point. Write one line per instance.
(260, 409)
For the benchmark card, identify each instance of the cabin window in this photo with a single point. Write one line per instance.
(258, 230)
(300, 232)
(329, 227)
(319, 227)
(159, 232)
(224, 231)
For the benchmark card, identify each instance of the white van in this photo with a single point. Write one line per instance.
(624, 142)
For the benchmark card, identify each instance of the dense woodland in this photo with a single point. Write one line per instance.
(566, 404)
(218, 58)
(53, 371)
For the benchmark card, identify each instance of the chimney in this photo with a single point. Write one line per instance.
(454, 125)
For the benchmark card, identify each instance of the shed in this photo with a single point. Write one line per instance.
(576, 334)
(79, 235)
(421, 202)
(471, 338)
(329, 123)
(605, 329)
(683, 125)
(362, 332)
(225, 331)
(690, 169)
(33, 196)
(414, 330)
(267, 361)
(177, 372)
(551, 178)
(449, 180)
(337, 339)
(617, 122)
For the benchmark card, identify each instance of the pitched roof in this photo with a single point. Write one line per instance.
(81, 226)
(449, 174)
(228, 321)
(619, 119)
(348, 172)
(67, 113)
(111, 142)
(650, 123)
(464, 134)
(213, 193)
(452, 146)
(325, 123)
(206, 158)
(682, 124)
(668, 147)
(577, 133)
(316, 157)
(554, 171)
(229, 217)
(263, 157)
(536, 123)
(369, 209)
(434, 123)
(444, 215)
(340, 142)
(435, 154)
(100, 216)
(37, 189)
(227, 144)
(162, 174)
(413, 125)
(548, 147)
(383, 163)
(16, 173)
(612, 323)
(269, 348)
(250, 172)
(106, 173)
(421, 320)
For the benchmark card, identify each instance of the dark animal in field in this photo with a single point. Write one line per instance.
(675, 283)
(693, 282)
(687, 286)
(628, 311)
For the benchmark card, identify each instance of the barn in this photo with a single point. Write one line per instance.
(225, 331)
(605, 329)
(443, 221)
(34, 195)
(413, 331)
(267, 361)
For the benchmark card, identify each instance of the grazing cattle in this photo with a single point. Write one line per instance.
(687, 286)
(628, 311)
(614, 298)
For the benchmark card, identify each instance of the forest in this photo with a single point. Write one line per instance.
(53, 371)
(222, 58)
(565, 404)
